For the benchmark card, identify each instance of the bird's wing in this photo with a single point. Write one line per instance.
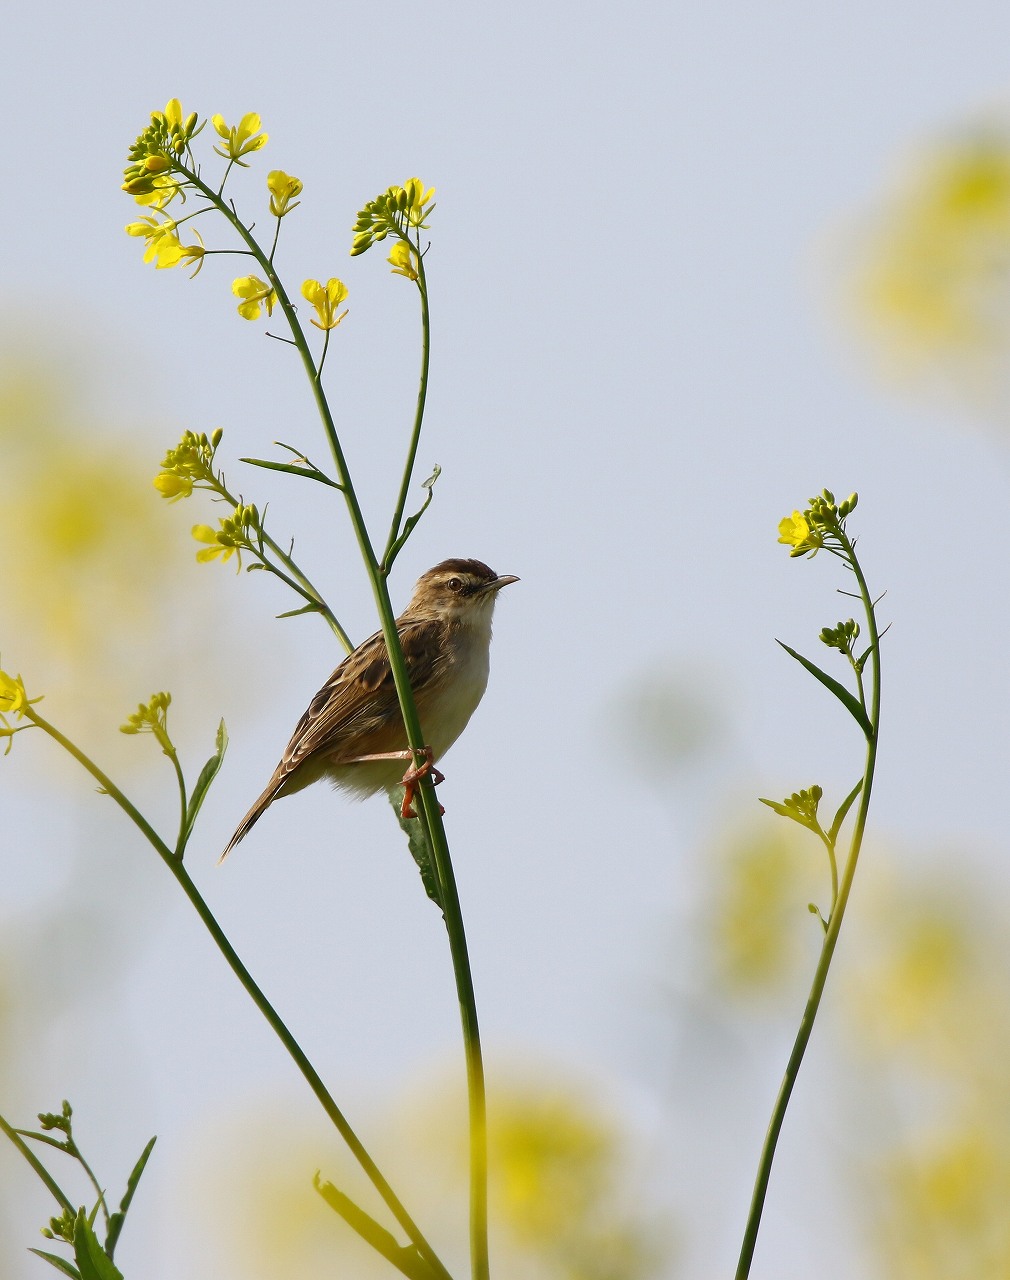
(359, 690)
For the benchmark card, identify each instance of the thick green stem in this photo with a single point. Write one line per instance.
(274, 1019)
(830, 939)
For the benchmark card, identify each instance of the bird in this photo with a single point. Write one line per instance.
(353, 732)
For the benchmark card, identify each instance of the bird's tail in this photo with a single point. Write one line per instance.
(253, 816)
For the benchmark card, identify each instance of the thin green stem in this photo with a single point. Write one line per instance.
(298, 581)
(830, 938)
(76, 1153)
(173, 755)
(54, 1188)
(273, 1018)
(415, 436)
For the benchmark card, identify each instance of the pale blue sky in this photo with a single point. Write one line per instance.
(633, 379)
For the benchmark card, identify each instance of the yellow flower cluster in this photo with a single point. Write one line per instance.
(151, 717)
(190, 463)
(820, 525)
(231, 538)
(397, 210)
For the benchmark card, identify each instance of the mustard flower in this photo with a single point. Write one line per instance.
(164, 248)
(240, 139)
(152, 718)
(173, 487)
(418, 203)
(283, 188)
(397, 209)
(155, 153)
(794, 530)
(191, 462)
(401, 258)
(230, 539)
(14, 701)
(326, 299)
(257, 294)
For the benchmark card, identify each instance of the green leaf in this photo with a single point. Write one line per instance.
(310, 473)
(417, 842)
(91, 1258)
(843, 809)
(847, 699)
(404, 1257)
(118, 1219)
(61, 1264)
(312, 607)
(411, 521)
(207, 775)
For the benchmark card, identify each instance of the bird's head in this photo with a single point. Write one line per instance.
(461, 591)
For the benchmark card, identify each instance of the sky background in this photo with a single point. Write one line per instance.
(640, 364)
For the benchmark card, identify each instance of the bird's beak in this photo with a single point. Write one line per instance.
(502, 580)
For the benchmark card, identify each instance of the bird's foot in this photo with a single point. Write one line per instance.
(411, 778)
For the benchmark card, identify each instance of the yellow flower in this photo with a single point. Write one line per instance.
(173, 487)
(283, 189)
(794, 530)
(240, 139)
(164, 248)
(326, 299)
(13, 702)
(418, 201)
(13, 698)
(257, 294)
(402, 260)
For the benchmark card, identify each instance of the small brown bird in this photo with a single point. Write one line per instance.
(353, 732)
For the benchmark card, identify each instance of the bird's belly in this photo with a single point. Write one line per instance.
(445, 714)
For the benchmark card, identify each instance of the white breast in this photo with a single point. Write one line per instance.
(458, 698)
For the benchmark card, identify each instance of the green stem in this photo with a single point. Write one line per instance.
(422, 391)
(415, 739)
(173, 755)
(830, 940)
(54, 1188)
(256, 994)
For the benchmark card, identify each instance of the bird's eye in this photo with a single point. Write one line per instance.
(454, 584)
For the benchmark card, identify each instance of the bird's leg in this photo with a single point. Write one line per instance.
(411, 778)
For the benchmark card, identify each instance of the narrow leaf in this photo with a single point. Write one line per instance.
(404, 1257)
(207, 775)
(61, 1264)
(847, 700)
(118, 1219)
(843, 809)
(312, 607)
(417, 842)
(309, 473)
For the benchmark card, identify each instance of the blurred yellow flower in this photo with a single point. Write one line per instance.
(930, 271)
